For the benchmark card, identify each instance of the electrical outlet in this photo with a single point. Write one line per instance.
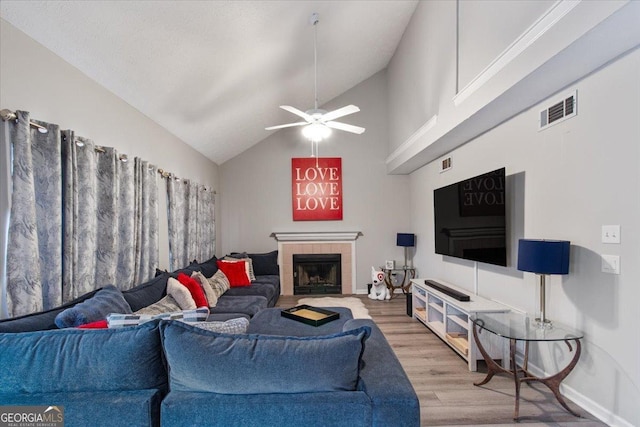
(610, 234)
(611, 264)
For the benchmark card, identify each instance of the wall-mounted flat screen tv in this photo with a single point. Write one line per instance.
(469, 218)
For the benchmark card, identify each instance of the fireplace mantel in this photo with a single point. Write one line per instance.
(317, 236)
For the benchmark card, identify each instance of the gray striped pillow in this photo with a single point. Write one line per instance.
(117, 320)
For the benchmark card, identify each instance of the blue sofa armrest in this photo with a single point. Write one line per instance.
(383, 379)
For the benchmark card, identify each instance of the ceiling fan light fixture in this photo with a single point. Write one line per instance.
(318, 123)
(316, 132)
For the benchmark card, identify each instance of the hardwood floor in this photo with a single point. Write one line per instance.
(444, 385)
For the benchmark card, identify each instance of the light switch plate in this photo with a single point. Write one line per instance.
(610, 234)
(611, 264)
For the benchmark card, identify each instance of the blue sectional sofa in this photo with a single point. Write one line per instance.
(169, 373)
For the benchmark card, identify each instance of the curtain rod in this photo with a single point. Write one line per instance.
(10, 115)
(164, 174)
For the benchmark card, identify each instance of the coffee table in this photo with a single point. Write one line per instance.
(516, 327)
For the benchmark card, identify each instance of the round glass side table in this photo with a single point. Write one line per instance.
(517, 327)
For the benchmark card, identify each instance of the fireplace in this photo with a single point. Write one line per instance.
(317, 274)
(292, 243)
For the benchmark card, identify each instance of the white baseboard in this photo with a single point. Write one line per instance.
(589, 405)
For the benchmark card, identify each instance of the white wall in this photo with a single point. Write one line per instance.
(256, 185)
(422, 72)
(34, 79)
(563, 183)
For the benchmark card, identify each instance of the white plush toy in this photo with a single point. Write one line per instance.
(379, 289)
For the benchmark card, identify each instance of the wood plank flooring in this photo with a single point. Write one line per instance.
(444, 385)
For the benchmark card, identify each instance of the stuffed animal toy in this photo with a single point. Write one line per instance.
(379, 289)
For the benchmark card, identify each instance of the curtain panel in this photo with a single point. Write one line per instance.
(34, 274)
(191, 222)
(81, 218)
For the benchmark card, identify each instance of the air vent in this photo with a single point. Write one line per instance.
(561, 110)
(445, 165)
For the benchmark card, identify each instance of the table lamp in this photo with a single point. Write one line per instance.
(407, 240)
(543, 257)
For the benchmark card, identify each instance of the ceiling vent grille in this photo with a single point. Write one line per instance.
(561, 110)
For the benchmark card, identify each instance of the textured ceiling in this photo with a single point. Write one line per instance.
(214, 72)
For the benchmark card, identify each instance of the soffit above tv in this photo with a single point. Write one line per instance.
(551, 60)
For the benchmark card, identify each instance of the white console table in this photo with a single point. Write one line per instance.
(448, 318)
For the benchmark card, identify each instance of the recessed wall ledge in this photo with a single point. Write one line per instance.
(317, 236)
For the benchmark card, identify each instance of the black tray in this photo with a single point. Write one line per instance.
(313, 316)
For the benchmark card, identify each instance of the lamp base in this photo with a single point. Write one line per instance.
(544, 324)
(405, 257)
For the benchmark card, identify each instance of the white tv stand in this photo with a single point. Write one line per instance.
(448, 318)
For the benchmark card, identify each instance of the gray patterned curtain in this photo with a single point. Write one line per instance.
(82, 217)
(205, 231)
(34, 274)
(145, 222)
(191, 222)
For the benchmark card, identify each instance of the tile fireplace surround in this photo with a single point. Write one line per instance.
(295, 243)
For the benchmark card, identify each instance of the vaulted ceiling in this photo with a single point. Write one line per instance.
(214, 72)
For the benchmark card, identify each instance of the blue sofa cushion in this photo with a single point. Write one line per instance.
(107, 300)
(42, 320)
(247, 304)
(147, 293)
(252, 364)
(73, 360)
(208, 267)
(265, 264)
(264, 289)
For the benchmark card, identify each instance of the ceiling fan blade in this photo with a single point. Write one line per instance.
(345, 127)
(340, 112)
(288, 125)
(297, 112)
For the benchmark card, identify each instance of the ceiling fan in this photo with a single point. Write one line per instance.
(318, 123)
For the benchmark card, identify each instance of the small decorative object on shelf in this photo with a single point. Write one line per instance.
(389, 264)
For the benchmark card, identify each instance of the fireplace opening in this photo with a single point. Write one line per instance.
(317, 274)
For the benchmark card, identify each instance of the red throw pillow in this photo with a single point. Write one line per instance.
(194, 288)
(98, 324)
(236, 272)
